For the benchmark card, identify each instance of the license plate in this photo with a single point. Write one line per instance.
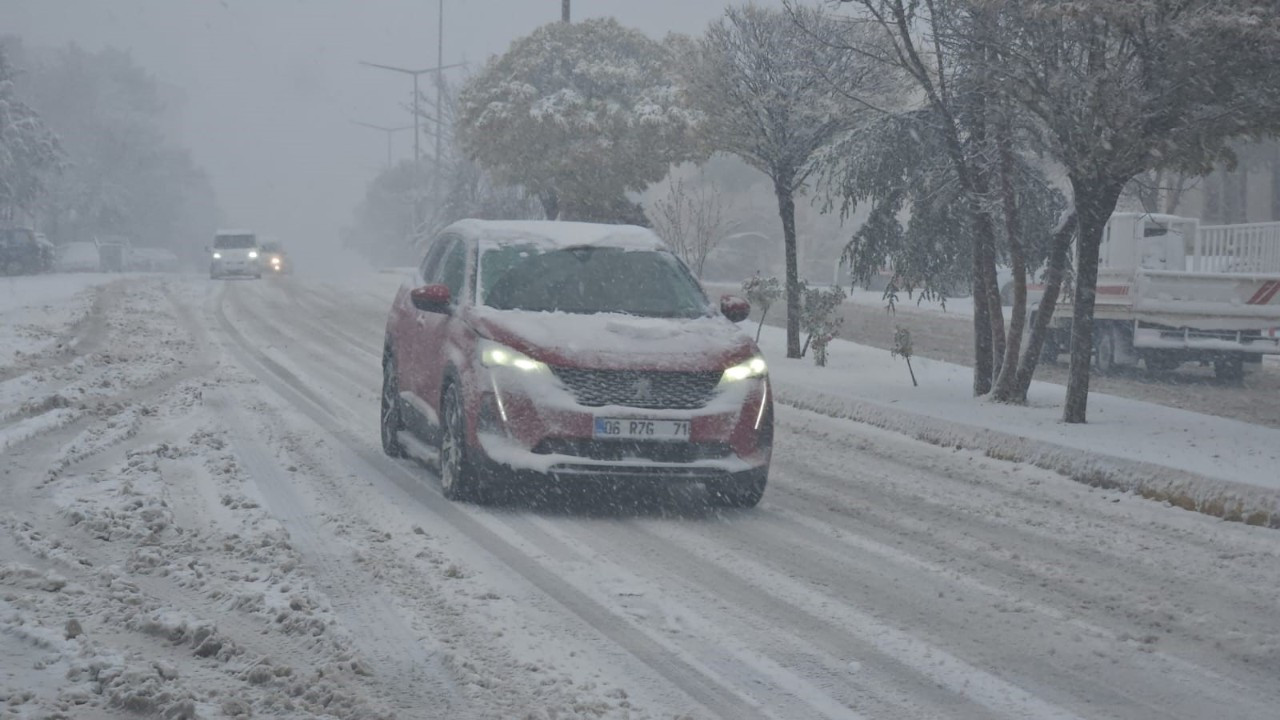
(638, 429)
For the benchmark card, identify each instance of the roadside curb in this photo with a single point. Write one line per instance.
(1232, 501)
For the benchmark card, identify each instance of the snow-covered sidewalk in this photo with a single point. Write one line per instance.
(1211, 464)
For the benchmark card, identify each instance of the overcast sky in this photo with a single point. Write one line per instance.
(271, 86)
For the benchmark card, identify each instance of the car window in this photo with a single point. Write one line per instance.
(454, 273)
(235, 242)
(431, 263)
(589, 280)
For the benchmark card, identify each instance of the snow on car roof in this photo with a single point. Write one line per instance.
(555, 233)
(234, 232)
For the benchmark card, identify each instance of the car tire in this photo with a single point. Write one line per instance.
(457, 469)
(743, 491)
(390, 422)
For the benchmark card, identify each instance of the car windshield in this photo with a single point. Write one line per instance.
(588, 280)
(272, 247)
(235, 242)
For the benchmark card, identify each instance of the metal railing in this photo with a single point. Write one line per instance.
(1253, 248)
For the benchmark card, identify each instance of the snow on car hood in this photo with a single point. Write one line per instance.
(617, 341)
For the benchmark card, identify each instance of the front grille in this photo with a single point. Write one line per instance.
(620, 450)
(655, 390)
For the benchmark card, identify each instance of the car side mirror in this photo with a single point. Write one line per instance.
(735, 308)
(431, 298)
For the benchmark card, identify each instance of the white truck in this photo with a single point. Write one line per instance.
(1171, 291)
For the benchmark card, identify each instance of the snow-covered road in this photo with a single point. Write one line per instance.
(214, 512)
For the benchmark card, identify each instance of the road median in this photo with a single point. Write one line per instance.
(1203, 463)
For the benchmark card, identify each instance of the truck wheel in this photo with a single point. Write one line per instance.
(1229, 369)
(1161, 363)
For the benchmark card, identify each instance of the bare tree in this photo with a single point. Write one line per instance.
(692, 218)
(770, 94)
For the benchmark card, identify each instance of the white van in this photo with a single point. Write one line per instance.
(235, 253)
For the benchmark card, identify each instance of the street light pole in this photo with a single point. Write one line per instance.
(435, 181)
(389, 132)
(417, 115)
(564, 11)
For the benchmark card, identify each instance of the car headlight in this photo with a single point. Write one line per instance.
(217, 256)
(755, 367)
(494, 355)
(253, 254)
(275, 261)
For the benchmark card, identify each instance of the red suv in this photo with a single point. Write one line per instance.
(571, 352)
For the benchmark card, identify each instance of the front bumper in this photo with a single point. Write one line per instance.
(553, 437)
(235, 267)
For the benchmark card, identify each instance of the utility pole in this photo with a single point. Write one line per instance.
(417, 112)
(389, 132)
(417, 116)
(564, 10)
(435, 180)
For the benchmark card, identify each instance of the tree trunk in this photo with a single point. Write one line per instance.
(550, 204)
(1006, 382)
(1275, 184)
(564, 11)
(1060, 246)
(991, 290)
(787, 211)
(983, 357)
(1212, 214)
(1095, 201)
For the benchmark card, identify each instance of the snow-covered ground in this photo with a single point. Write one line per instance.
(213, 532)
(861, 380)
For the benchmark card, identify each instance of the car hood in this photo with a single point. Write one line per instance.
(616, 341)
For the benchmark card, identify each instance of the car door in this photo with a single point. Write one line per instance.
(411, 337)
(437, 328)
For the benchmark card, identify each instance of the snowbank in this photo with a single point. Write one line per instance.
(1200, 462)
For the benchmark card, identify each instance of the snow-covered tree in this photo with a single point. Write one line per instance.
(29, 151)
(579, 115)
(1122, 88)
(922, 222)
(122, 175)
(945, 48)
(770, 89)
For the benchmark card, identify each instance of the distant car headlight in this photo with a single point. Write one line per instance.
(253, 254)
(275, 261)
(217, 256)
(494, 355)
(755, 367)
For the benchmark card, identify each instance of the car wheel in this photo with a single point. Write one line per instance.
(744, 491)
(457, 472)
(390, 423)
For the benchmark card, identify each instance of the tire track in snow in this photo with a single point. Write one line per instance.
(410, 671)
(717, 698)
